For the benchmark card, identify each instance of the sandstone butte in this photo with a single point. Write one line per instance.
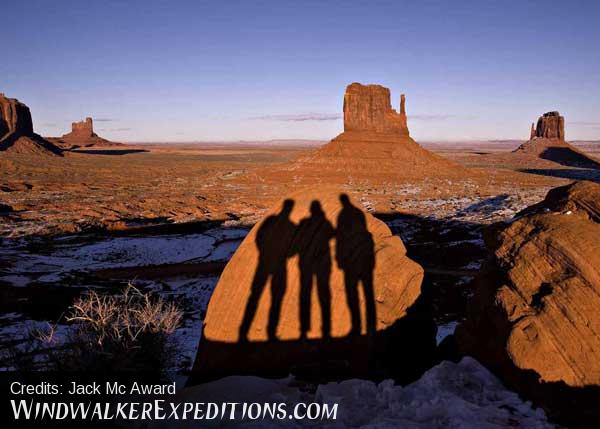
(376, 140)
(534, 319)
(320, 328)
(547, 141)
(82, 135)
(16, 130)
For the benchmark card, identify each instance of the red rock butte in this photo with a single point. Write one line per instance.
(15, 118)
(82, 135)
(368, 108)
(82, 130)
(16, 130)
(549, 126)
(376, 140)
(547, 141)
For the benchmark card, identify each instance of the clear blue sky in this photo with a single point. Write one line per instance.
(185, 71)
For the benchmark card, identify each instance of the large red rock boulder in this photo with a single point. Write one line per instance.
(534, 318)
(318, 287)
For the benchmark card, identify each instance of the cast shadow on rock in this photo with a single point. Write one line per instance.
(402, 350)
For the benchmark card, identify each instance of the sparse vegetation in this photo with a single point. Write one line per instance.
(130, 331)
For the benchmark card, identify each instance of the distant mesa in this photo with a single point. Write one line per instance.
(547, 141)
(82, 135)
(16, 130)
(549, 126)
(368, 108)
(82, 130)
(376, 139)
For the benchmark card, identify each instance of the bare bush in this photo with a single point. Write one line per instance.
(124, 317)
(129, 331)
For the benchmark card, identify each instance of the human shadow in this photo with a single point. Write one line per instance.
(355, 255)
(312, 246)
(273, 241)
(362, 350)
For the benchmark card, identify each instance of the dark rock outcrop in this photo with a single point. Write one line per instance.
(15, 119)
(16, 130)
(320, 288)
(534, 318)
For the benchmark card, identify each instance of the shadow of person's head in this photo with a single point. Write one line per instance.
(315, 209)
(287, 208)
(345, 200)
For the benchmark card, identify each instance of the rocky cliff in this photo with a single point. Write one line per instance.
(368, 108)
(16, 130)
(550, 126)
(15, 119)
(534, 318)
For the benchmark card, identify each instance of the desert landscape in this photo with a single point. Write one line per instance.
(96, 214)
(344, 242)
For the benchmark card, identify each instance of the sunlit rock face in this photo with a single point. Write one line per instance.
(368, 108)
(534, 318)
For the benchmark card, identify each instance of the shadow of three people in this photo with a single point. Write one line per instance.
(278, 239)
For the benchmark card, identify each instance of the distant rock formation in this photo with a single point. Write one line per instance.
(368, 108)
(82, 135)
(376, 140)
(15, 118)
(16, 130)
(81, 130)
(550, 126)
(320, 287)
(532, 133)
(534, 318)
(547, 141)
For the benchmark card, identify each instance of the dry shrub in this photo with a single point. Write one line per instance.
(130, 331)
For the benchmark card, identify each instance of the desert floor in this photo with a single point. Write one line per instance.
(169, 217)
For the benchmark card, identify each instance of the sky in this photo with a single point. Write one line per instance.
(259, 70)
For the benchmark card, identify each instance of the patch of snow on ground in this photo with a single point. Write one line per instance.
(125, 252)
(449, 395)
(444, 330)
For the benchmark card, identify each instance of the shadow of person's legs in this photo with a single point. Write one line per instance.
(258, 284)
(367, 281)
(323, 277)
(278, 286)
(351, 282)
(306, 279)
